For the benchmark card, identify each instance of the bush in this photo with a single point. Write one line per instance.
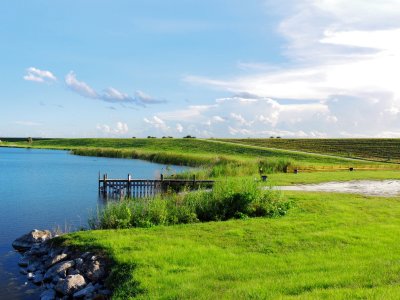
(227, 200)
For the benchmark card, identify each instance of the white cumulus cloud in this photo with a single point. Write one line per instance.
(37, 75)
(120, 128)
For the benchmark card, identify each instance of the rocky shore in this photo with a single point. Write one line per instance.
(61, 273)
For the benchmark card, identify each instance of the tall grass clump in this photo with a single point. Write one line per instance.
(228, 199)
(275, 165)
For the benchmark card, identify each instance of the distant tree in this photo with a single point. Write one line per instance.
(278, 137)
(134, 137)
(189, 137)
(30, 140)
(151, 137)
(271, 137)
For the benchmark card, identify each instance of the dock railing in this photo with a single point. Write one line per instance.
(140, 188)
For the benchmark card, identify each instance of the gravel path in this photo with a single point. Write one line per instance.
(386, 188)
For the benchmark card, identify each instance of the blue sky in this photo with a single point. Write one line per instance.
(306, 68)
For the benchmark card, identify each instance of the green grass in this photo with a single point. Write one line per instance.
(196, 149)
(328, 246)
(228, 199)
(331, 246)
(371, 149)
(217, 158)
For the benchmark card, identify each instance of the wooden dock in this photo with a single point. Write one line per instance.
(141, 188)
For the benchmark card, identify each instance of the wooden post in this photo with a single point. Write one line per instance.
(105, 184)
(128, 187)
(99, 182)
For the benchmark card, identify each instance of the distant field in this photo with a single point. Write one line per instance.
(199, 150)
(371, 149)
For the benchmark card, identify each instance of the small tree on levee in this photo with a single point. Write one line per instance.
(30, 140)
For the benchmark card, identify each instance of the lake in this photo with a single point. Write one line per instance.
(47, 189)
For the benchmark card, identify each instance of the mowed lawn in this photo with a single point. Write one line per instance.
(328, 246)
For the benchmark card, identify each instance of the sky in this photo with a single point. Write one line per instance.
(210, 68)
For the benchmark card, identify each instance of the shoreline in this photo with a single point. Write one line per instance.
(62, 272)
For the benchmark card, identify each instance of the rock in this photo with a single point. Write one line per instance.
(33, 266)
(55, 251)
(26, 241)
(105, 292)
(48, 295)
(89, 289)
(59, 269)
(78, 262)
(71, 284)
(85, 255)
(38, 278)
(95, 271)
(23, 262)
(55, 259)
(55, 279)
(38, 250)
(72, 272)
(49, 285)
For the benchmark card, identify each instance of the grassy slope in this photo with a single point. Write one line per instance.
(373, 149)
(329, 245)
(183, 146)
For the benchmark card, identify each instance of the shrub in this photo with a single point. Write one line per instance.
(228, 199)
(274, 165)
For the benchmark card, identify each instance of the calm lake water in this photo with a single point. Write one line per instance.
(44, 189)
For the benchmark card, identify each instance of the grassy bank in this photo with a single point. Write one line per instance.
(227, 200)
(328, 246)
(216, 158)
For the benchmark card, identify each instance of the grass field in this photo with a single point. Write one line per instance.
(372, 149)
(205, 153)
(329, 246)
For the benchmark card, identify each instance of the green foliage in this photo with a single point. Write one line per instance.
(227, 200)
(328, 246)
(275, 165)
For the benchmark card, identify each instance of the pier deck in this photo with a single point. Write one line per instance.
(139, 188)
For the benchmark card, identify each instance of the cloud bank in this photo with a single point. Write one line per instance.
(343, 70)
